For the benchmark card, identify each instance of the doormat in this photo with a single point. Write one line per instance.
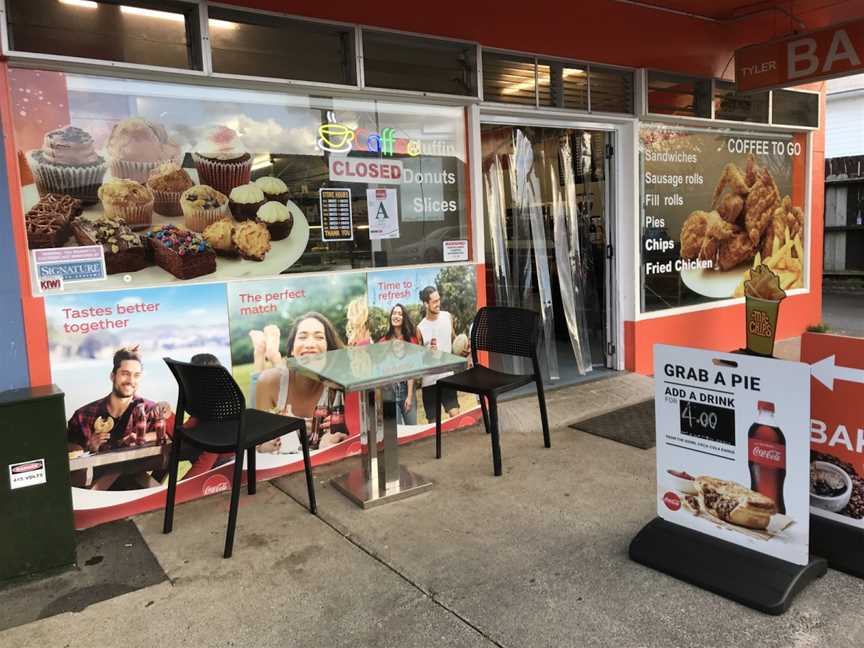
(113, 559)
(633, 425)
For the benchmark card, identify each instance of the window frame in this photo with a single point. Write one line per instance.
(200, 53)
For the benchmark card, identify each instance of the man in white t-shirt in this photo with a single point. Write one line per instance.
(437, 330)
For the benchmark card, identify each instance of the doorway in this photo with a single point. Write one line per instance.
(546, 196)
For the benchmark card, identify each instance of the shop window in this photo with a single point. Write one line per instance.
(163, 34)
(562, 85)
(732, 106)
(791, 108)
(358, 183)
(265, 46)
(422, 64)
(611, 90)
(509, 79)
(669, 94)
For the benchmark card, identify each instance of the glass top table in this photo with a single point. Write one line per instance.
(370, 370)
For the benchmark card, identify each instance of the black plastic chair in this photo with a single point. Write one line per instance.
(499, 329)
(224, 424)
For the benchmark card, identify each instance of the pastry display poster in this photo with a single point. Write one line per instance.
(733, 448)
(836, 426)
(715, 204)
(191, 184)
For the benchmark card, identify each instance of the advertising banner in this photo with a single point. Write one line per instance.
(733, 448)
(714, 205)
(280, 318)
(190, 184)
(836, 426)
(106, 353)
(433, 307)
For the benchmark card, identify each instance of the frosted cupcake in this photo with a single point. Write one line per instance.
(202, 205)
(277, 218)
(222, 161)
(273, 188)
(168, 182)
(245, 200)
(136, 146)
(68, 164)
(127, 200)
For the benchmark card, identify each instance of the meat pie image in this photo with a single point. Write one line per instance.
(731, 502)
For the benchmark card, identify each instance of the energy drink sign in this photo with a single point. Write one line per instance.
(733, 448)
(715, 205)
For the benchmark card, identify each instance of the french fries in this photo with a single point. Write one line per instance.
(786, 262)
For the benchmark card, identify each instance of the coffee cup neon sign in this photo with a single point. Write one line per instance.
(335, 137)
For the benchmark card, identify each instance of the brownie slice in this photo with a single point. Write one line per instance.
(183, 253)
(49, 221)
(124, 250)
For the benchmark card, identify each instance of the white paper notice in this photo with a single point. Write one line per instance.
(455, 250)
(383, 213)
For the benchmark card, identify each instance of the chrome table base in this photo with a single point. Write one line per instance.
(380, 478)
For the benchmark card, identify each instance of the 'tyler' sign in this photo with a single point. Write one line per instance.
(802, 58)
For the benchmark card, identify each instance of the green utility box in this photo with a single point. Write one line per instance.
(35, 496)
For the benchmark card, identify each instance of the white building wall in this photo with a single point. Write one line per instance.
(844, 117)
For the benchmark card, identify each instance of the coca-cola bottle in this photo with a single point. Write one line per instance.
(337, 416)
(321, 412)
(766, 452)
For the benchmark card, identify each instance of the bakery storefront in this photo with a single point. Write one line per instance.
(184, 184)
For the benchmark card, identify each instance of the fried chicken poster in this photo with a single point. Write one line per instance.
(716, 205)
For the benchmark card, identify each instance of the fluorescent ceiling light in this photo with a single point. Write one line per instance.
(221, 24)
(542, 79)
(152, 13)
(84, 4)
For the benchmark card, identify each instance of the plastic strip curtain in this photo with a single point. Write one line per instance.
(568, 254)
(497, 217)
(527, 201)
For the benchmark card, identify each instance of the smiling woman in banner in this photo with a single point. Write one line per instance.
(283, 391)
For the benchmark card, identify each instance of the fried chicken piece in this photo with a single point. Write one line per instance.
(735, 250)
(734, 180)
(702, 234)
(751, 171)
(730, 207)
(759, 206)
(785, 216)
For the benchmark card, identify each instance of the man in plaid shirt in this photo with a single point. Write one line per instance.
(122, 419)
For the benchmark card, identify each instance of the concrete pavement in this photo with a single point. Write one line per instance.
(536, 557)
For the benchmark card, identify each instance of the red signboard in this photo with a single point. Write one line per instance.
(801, 58)
(836, 426)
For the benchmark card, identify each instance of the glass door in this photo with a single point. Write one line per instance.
(546, 195)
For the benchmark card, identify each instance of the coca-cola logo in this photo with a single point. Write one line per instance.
(771, 454)
(215, 484)
(672, 501)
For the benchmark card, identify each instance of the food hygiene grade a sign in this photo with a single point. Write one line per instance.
(802, 58)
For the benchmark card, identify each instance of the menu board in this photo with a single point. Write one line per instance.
(336, 218)
(733, 447)
(714, 205)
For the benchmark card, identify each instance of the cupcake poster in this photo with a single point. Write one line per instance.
(165, 189)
